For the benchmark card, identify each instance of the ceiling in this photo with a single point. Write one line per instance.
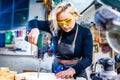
(80, 4)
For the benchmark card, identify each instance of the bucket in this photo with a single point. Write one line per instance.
(2, 39)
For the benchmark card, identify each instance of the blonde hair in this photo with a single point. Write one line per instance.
(57, 10)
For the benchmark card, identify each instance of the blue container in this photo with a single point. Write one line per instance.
(2, 39)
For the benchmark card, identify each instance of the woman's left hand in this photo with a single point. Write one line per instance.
(69, 73)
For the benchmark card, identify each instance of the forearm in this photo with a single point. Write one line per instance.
(34, 27)
(41, 25)
(81, 65)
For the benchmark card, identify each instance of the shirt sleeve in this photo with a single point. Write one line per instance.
(41, 24)
(87, 47)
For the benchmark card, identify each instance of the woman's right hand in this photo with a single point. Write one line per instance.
(33, 36)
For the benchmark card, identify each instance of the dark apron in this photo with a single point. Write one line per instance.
(63, 50)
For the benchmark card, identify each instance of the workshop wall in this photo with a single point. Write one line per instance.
(21, 60)
(36, 9)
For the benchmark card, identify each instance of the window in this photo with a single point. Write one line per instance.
(20, 18)
(13, 13)
(5, 21)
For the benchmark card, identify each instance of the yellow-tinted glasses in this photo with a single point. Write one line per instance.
(64, 22)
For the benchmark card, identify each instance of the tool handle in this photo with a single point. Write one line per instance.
(59, 69)
(40, 39)
(41, 49)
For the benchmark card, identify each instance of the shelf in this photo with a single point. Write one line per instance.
(99, 38)
(103, 43)
(4, 51)
(95, 44)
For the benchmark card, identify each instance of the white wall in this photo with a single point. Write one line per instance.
(19, 63)
(36, 9)
(80, 4)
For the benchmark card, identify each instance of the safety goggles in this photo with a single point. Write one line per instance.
(65, 22)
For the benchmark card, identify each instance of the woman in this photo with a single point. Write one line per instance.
(73, 42)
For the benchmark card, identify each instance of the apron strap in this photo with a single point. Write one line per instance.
(60, 38)
(73, 44)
